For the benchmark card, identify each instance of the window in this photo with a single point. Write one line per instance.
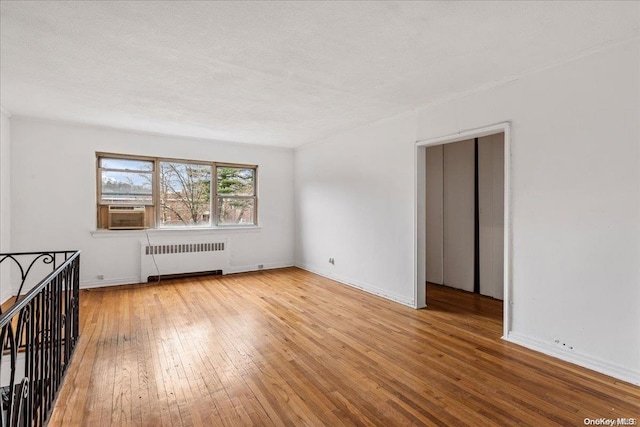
(177, 193)
(126, 181)
(236, 195)
(185, 194)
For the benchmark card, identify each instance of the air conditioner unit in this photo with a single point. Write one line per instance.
(126, 217)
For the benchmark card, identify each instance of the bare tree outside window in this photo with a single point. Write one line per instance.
(185, 194)
(175, 192)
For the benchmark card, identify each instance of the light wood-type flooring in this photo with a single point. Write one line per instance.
(287, 347)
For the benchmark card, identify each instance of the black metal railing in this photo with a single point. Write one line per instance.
(39, 333)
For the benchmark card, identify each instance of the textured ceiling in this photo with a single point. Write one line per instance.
(278, 73)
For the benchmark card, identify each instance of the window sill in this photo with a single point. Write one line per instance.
(175, 231)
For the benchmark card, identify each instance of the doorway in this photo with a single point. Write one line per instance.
(463, 226)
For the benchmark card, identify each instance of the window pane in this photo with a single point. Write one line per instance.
(185, 194)
(127, 187)
(233, 210)
(126, 164)
(236, 181)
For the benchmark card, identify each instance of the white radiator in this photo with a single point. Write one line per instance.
(181, 258)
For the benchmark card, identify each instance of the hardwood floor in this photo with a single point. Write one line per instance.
(287, 347)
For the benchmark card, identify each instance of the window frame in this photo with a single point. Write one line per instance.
(157, 185)
(214, 220)
(100, 169)
(254, 197)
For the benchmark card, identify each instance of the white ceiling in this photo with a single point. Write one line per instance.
(278, 73)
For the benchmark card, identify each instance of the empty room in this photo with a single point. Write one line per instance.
(285, 213)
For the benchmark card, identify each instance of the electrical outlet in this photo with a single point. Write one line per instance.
(260, 266)
(562, 344)
(100, 277)
(332, 261)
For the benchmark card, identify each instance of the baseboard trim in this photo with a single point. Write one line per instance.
(580, 359)
(249, 268)
(359, 285)
(88, 284)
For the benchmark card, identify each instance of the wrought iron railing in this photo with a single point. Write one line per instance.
(39, 333)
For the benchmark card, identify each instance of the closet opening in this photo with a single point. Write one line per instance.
(463, 233)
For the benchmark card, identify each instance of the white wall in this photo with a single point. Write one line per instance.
(54, 197)
(354, 200)
(5, 202)
(575, 204)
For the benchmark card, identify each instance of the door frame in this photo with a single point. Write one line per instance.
(420, 289)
